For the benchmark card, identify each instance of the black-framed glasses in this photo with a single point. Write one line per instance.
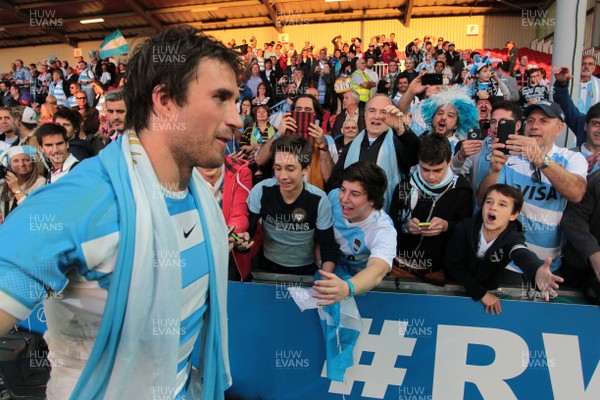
(536, 175)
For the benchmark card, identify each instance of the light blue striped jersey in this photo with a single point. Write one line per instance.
(543, 204)
(375, 236)
(56, 89)
(69, 257)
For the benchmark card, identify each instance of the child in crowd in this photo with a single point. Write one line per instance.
(483, 245)
(296, 216)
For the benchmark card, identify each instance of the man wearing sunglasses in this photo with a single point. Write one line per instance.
(547, 175)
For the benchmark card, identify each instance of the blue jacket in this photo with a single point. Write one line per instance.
(575, 119)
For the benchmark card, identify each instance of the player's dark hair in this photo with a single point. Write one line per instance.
(371, 177)
(507, 191)
(434, 149)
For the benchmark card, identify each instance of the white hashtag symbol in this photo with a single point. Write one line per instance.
(386, 347)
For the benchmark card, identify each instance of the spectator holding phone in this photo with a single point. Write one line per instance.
(547, 175)
(473, 159)
(426, 206)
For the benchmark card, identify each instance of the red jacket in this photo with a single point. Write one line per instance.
(236, 188)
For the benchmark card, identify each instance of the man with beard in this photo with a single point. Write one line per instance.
(116, 109)
(127, 228)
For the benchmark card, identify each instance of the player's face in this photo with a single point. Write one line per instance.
(433, 174)
(289, 173)
(497, 211)
(354, 201)
(445, 121)
(543, 128)
(200, 129)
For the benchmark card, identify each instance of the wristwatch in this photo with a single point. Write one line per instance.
(324, 148)
(546, 162)
(18, 191)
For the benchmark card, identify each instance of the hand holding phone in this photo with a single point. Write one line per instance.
(433, 78)
(303, 120)
(424, 224)
(505, 127)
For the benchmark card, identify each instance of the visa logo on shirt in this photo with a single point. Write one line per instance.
(534, 192)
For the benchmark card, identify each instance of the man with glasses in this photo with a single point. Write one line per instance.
(386, 141)
(547, 175)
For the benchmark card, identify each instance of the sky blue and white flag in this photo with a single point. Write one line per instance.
(113, 45)
(341, 324)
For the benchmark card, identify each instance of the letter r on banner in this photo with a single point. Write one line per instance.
(451, 370)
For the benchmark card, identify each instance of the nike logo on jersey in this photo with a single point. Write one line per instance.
(186, 234)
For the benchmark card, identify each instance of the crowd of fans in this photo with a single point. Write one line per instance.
(469, 177)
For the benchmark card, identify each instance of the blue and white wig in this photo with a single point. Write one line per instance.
(457, 97)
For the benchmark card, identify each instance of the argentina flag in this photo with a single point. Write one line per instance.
(113, 45)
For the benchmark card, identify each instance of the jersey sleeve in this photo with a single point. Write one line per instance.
(255, 197)
(69, 225)
(325, 217)
(384, 242)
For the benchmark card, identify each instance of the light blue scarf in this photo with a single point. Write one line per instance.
(127, 360)
(341, 324)
(386, 159)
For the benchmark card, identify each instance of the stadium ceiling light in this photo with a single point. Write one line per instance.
(91, 21)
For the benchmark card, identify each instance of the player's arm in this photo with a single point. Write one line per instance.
(570, 185)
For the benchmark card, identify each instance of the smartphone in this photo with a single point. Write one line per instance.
(433, 78)
(233, 235)
(475, 134)
(303, 120)
(505, 127)
(424, 224)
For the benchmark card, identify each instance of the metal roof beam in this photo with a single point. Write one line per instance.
(407, 13)
(272, 15)
(26, 18)
(139, 10)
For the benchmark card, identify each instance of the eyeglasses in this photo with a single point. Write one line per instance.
(536, 175)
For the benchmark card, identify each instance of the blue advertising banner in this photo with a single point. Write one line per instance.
(415, 347)
(411, 347)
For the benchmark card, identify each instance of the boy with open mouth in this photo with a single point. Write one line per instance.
(483, 245)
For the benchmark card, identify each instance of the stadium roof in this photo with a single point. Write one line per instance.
(30, 22)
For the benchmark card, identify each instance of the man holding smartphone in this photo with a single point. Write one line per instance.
(547, 175)
(473, 159)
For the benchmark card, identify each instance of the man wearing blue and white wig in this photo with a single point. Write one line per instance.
(133, 240)
(451, 113)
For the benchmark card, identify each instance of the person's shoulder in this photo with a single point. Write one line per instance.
(267, 183)
(463, 183)
(312, 189)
